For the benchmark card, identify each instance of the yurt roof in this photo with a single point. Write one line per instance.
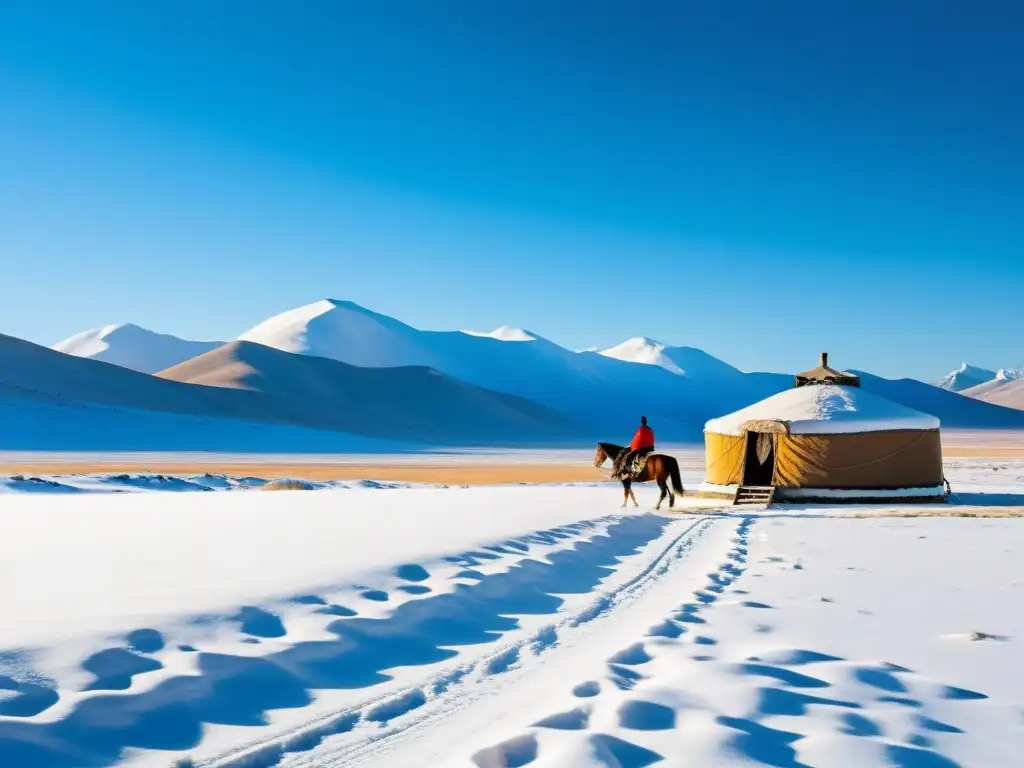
(824, 374)
(826, 409)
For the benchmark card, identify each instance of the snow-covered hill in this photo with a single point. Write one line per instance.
(598, 388)
(1006, 389)
(50, 400)
(965, 377)
(133, 347)
(410, 402)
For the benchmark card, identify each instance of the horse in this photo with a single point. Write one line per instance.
(660, 468)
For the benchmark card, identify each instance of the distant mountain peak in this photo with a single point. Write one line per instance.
(965, 377)
(345, 304)
(641, 349)
(506, 333)
(1010, 374)
(968, 368)
(132, 346)
(682, 361)
(641, 341)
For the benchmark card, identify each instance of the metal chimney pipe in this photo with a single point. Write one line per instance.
(824, 359)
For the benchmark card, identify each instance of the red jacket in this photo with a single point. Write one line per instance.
(644, 438)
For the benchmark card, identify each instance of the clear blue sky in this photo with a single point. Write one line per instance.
(762, 180)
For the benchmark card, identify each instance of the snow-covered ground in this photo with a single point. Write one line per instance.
(505, 626)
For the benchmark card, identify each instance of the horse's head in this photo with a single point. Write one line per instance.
(606, 451)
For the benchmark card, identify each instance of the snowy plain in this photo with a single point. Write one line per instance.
(376, 624)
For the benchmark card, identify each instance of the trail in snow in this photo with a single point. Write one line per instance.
(372, 737)
(717, 683)
(491, 628)
(150, 692)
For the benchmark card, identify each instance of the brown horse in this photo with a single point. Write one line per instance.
(660, 468)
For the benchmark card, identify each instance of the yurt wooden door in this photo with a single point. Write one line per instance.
(759, 465)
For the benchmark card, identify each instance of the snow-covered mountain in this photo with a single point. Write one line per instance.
(965, 377)
(683, 361)
(133, 347)
(952, 408)
(589, 386)
(223, 398)
(677, 388)
(409, 402)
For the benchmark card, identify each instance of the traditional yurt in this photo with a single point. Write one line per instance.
(825, 439)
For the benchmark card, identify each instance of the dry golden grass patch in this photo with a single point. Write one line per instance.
(948, 512)
(287, 485)
(439, 474)
(981, 452)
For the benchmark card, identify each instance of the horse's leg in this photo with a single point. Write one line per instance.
(668, 490)
(633, 496)
(625, 492)
(664, 490)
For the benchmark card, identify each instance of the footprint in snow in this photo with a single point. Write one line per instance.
(522, 750)
(587, 689)
(646, 716)
(573, 720)
(414, 589)
(145, 640)
(336, 610)
(260, 623)
(631, 656)
(412, 572)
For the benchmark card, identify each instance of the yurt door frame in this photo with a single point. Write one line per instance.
(759, 461)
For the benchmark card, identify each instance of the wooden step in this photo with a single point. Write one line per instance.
(755, 494)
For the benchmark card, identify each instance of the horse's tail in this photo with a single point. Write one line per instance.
(673, 470)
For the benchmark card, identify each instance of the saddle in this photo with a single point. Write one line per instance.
(634, 467)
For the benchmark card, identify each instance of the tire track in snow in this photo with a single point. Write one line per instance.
(446, 692)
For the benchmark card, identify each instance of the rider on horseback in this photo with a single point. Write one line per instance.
(641, 444)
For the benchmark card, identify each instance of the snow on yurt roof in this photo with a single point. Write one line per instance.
(825, 409)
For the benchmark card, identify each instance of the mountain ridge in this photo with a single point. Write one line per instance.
(41, 375)
(678, 387)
